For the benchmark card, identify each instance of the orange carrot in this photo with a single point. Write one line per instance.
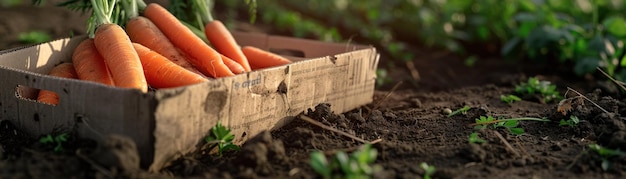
(235, 67)
(225, 43)
(205, 58)
(231, 64)
(120, 56)
(263, 59)
(141, 30)
(163, 73)
(64, 70)
(89, 64)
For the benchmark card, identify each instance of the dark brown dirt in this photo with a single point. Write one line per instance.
(410, 121)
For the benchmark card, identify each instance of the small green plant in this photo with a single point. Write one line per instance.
(221, 138)
(605, 154)
(470, 61)
(509, 99)
(382, 77)
(474, 139)
(58, 140)
(510, 124)
(571, 122)
(34, 37)
(462, 110)
(357, 165)
(545, 89)
(429, 170)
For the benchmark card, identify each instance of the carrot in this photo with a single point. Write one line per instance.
(89, 64)
(163, 73)
(120, 56)
(64, 70)
(205, 58)
(198, 16)
(141, 30)
(235, 67)
(225, 43)
(259, 58)
(114, 45)
(231, 64)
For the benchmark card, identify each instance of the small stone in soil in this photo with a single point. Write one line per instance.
(446, 111)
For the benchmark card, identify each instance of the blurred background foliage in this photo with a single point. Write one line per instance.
(583, 34)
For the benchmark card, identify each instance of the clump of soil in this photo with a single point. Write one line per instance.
(24, 156)
(258, 157)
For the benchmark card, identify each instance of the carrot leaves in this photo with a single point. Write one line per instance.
(105, 11)
(197, 13)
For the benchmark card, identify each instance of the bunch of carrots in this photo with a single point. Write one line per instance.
(129, 49)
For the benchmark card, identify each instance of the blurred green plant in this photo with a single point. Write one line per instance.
(429, 170)
(10, 3)
(509, 99)
(584, 33)
(382, 77)
(475, 139)
(470, 61)
(605, 154)
(590, 33)
(359, 164)
(545, 90)
(56, 140)
(34, 37)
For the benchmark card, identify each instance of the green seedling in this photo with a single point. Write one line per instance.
(545, 89)
(59, 140)
(509, 99)
(34, 37)
(474, 139)
(460, 111)
(470, 61)
(429, 170)
(382, 77)
(341, 165)
(605, 154)
(572, 121)
(510, 124)
(221, 138)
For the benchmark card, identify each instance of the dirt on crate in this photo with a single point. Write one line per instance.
(409, 124)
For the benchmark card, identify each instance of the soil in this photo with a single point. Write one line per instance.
(409, 122)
